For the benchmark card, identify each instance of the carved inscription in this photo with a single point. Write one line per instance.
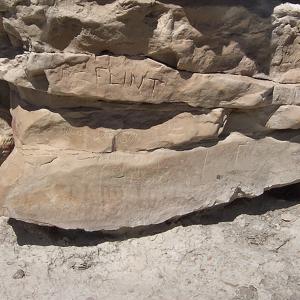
(106, 74)
(136, 81)
(155, 83)
(102, 76)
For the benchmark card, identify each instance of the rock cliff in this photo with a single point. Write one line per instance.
(130, 112)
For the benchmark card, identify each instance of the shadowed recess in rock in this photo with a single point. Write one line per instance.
(114, 115)
(6, 138)
(30, 234)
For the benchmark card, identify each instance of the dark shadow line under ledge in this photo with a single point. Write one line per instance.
(275, 199)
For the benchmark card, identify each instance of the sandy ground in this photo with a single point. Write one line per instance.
(247, 250)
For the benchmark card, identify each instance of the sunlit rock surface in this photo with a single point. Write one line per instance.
(131, 112)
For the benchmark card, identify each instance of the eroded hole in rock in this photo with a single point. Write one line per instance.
(52, 33)
(40, 82)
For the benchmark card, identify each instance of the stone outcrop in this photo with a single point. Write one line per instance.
(6, 139)
(130, 112)
(6, 136)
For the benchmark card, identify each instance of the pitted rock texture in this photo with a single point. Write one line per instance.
(131, 112)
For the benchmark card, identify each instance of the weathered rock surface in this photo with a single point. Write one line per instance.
(6, 139)
(119, 78)
(6, 136)
(131, 112)
(74, 189)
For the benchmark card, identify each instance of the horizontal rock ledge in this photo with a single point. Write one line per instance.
(74, 189)
(141, 80)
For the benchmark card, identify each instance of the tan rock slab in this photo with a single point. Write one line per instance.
(285, 117)
(107, 191)
(89, 130)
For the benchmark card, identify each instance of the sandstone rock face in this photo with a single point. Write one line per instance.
(130, 112)
(6, 139)
(6, 136)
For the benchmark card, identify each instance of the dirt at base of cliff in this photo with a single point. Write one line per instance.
(247, 250)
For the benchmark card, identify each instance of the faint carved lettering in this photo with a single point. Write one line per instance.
(117, 78)
(135, 80)
(106, 76)
(156, 82)
(238, 156)
(103, 75)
